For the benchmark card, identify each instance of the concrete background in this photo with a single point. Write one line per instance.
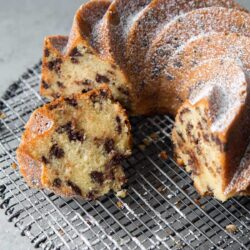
(23, 25)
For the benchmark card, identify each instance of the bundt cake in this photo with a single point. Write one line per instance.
(212, 129)
(74, 145)
(167, 57)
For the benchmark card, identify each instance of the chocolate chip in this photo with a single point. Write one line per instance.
(101, 78)
(75, 52)
(46, 52)
(71, 101)
(86, 90)
(53, 106)
(183, 112)
(91, 196)
(56, 151)
(86, 82)
(104, 93)
(116, 160)
(76, 136)
(109, 145)
(45, 85)
(206, 137)
(97, 177)
(111, 175)
(74, 60)
(119, 125)
(189, 128)
(181, 136)
(64, 128)
(45, 160)
(60, 84)
(74, 187)
(93, 97)
(56, 95)
(55, 65)
(199, 126)
(73, 135)
(57, 182)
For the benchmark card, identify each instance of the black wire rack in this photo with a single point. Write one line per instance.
(162, 209)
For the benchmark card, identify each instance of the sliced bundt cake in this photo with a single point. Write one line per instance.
(74, 145)
(212, 130)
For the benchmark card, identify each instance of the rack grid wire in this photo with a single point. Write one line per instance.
(162, 209)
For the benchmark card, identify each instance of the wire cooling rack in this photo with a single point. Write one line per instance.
(162, 209)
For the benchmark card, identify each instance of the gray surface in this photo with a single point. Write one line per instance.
(23, 24)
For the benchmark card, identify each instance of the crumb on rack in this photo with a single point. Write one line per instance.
(163, 155)
(119, 204)
(154, 136)
(197, 201)
(14, 165)
(146, 141)
(203, 206)
(162, 189)
(179, 161)
(231, 228)
(122, 193)
(2, 115)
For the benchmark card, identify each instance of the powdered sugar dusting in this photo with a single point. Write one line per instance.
(152, 21)
(131, 19)
(177, 32)
(226, 91)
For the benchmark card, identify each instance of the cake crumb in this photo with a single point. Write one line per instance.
(197, 202)
(14, 165)
(154, 136)
(162, 189)
(180, 162)
(146, 141)
(119, 204)
(122, 193)
(163, 155)
(231, 228)
(2, 115)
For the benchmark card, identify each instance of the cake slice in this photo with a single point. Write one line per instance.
(211, 131)
(74, 145)
(73, 64)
